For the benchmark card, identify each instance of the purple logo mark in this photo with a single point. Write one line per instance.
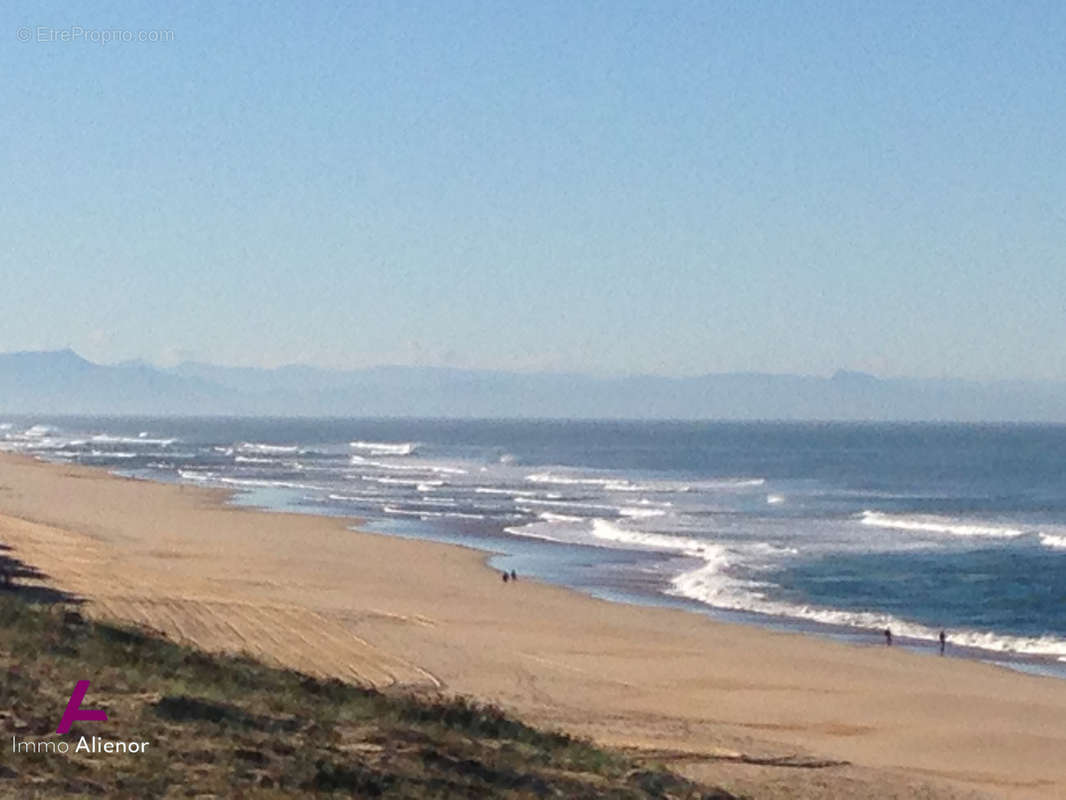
(75, 712)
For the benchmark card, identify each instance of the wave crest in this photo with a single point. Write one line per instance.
(385, 448)
(928, 523)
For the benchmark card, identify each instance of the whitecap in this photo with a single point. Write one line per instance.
(569, 504)
(928, 523)
(360, 461)
(549, 516)
(385, 448)
(193, 475)
(259, 447)
(641, 513)
(402, 482)
(264, 484)
(104, 438)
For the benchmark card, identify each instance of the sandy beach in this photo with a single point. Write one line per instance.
(710, 699)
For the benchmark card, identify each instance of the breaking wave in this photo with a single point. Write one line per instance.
(709, 585)
(385, 448)
(259, 447)
(927, 523)
(141, 439)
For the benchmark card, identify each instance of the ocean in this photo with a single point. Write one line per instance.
(838, 529)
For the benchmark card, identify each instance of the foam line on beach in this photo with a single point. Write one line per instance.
(708, 584)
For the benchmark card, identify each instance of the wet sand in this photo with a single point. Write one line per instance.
(706, 697)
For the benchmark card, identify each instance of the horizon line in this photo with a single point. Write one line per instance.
(841, 373)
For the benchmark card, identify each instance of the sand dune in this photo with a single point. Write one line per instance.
(763, 712)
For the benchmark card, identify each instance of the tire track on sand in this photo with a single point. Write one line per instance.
(288, 636)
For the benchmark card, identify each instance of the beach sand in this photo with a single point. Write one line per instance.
(703, 696)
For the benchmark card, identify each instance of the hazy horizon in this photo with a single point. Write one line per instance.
(62, 382)
(834, 373)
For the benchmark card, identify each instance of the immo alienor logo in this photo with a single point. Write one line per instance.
(75, 713)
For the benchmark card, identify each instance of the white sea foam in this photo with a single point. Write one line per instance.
(569, 504)
(641, 513)
(729, 483)
(611, 484)
(549, 516)
(1053, 541)
(255, 460)
(774, 499)
(665, 486)
(427, 515)
(111, 454)
(927, 523)
(537, 530)
(264, 484)
(212, 477)
(104, 438)
(385, 448)
(38, 443)
(608, 530)
(259, 447)
(610, 533)
(406, 512)
(38, 431)
(360, 461)
(402, 482)
(194, 475)
(355, 498)
(450, 515)
(711, 582)
(708, 585)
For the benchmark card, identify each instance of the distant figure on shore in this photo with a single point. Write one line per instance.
(888, 637)
(943, 641)
(514, 575)
(505, 577)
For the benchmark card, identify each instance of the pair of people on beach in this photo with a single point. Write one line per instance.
(509, 576)
(943, 639)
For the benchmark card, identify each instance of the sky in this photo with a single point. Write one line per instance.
(609, 187)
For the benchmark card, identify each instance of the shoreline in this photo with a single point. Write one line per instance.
(1048, 666)
(306, 591)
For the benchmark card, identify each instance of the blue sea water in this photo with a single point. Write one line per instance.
(845, 528)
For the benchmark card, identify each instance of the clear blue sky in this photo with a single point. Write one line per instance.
(662, 187)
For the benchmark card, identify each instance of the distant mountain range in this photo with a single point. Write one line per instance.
(62, 382)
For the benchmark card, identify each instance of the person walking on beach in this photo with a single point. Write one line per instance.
(505, 577)
(943, 641)
(888, 637)
(514, 575)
